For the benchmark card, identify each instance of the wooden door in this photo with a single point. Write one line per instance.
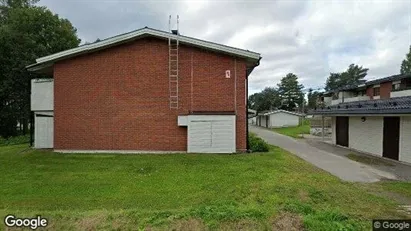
(341, 130)
(391, 138)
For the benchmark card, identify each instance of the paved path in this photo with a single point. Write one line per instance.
(339, 166)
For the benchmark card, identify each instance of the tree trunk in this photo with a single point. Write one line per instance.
(25, 126)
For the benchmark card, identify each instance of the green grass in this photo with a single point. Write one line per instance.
(294, 131)
(402, 188)
(258, 191)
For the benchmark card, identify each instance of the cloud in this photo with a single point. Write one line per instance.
(308, 38)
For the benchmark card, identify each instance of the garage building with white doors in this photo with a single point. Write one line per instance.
(378, 127)
(279, 118)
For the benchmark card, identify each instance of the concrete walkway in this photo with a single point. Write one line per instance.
(339, 166)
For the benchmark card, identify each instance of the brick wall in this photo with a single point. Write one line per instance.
(385, 90)
(370, 92)
(117, 98)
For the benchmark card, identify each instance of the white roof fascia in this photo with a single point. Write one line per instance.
(148, 31)
(284, 111)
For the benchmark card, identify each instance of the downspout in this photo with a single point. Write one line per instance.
(31, 128)
(31, 119)
(246, 112)
(246, 105)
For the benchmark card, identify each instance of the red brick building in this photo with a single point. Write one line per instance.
(146, 90)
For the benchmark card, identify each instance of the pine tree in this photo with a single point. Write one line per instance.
(406, 64)
(290, 91)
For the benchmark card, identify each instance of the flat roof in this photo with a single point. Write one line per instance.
(398, 105)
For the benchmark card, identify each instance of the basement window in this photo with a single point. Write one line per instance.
(376, 91)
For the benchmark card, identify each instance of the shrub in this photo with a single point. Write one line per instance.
(15, 140)
(257, 144)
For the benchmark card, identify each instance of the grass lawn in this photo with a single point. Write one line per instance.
(294, 131)
(274, 190)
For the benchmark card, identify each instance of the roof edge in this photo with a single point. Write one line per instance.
(141, 32)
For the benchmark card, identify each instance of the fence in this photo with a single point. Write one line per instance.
(317, 122)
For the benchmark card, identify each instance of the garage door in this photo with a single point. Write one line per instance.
(43, 131)
(214, 134)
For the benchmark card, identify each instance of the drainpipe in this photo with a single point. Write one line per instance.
(246, 111)
(31, 128)
(246, 102)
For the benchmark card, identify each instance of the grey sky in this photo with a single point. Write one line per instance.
(309, 38)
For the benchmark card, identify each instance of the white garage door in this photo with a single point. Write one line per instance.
(211, 134)
(43, 131)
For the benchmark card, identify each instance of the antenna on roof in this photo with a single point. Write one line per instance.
(169, 26)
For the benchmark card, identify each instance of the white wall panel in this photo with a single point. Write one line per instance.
(42, 94)
(211, 134)
(405, 139)
(366, 136)
(43, 131)
(282, 119)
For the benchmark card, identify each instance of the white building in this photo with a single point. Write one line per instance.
(279, 118)
(252, 116)
(379, 127)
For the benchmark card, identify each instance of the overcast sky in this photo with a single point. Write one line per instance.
(308, 38)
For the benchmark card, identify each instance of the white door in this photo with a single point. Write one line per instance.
(213, 135)
(43, 131)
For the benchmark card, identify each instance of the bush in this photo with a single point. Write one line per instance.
(257, 144)
(15, 140)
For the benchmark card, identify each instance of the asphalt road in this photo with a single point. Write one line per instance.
(337, 165)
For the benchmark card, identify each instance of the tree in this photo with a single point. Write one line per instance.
(312, 98)
(26, 33)
(290, 91)
(354, 75)
(406, 64)
(267, 99)
(332, 82)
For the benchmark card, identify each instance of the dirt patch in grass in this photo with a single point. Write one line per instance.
(368, 160)
(303, 196)
(242, 225)
(288, 221)
(90, 222)
(188, 225)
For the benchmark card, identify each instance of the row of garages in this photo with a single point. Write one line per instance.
(276, 119)
(383, 136)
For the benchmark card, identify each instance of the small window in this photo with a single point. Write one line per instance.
(376, 91)
(396, 87)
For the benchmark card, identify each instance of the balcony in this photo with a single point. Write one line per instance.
(405, 91)
(351, 99)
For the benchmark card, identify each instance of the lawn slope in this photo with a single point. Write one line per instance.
(274, 190)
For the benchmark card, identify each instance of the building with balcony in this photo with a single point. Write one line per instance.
(383, 88)
(373, 117)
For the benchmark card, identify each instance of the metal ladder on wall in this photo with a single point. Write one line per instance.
(173, 44)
